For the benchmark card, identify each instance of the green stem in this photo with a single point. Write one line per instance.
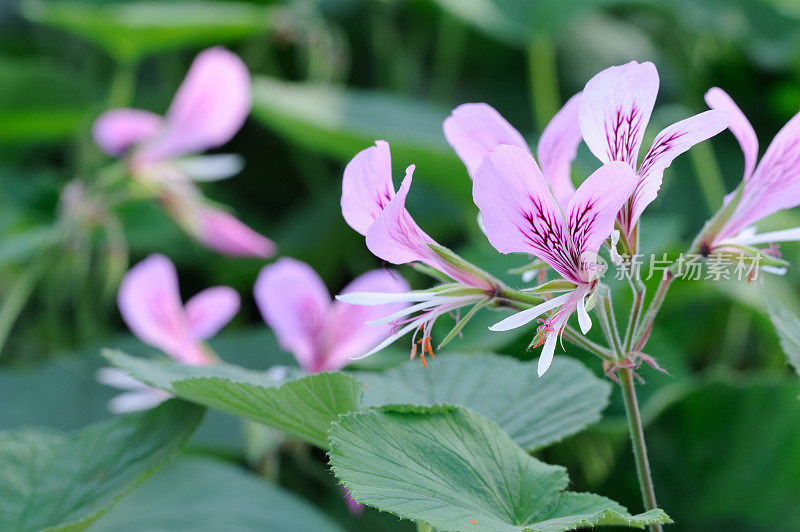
(605, 311)
(637, 442)
(123, 84)
(639, 292)
(543, 79)
(642, 333)
(15, 302)
(578, 339)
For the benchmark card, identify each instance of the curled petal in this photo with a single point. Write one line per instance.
(117, 130)
(557, 148)
(526, 316)
(775, 184)
(519, 211)
(668, 144)
(367, 186)
(209, 108)
(615, 108)
(294, 302)
(210, 310)
(476, 129)
(347, 333)
(717, 98)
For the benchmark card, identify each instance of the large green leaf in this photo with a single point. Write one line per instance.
(131, 30)
(302, 407)
(41, 102)
(457, 470)
(533, 411)
(61, 481)
(787, 325)
(206, 495)
(341, 122)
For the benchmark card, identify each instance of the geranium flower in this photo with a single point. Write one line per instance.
(770, 186)
(150, 303)
(521, 215)
(475, 129)
(209, 108)
(614, 110)
(371, 207)
(322, 334)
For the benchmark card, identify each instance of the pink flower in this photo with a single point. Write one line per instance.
(209, 108)
(150, 303)
(323, 335)
(475, 129)
(522, 215)
(770, 186)
(614, 111)
(371, 206)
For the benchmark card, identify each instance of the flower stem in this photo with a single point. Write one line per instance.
(642, 333)
(637, 442)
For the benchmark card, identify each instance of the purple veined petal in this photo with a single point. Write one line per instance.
(223, 232)
(594, 206)
(210, 310)
(347, 334)
(367, 186)
(717, 98)
(118, 129)
(210, 106)
(615, 108)
(150, 304)
(668, 144)
(557, 148)
(294, 302)
(775, 184)
(519, 211)
(476, 129)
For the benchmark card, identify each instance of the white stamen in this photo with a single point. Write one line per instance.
(380, 298)
(433, 302)
(749, 239)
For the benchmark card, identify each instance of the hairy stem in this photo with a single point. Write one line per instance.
(639, 292)
(637, 442)
(642, 333)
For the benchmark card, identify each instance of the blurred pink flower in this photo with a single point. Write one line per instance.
(322, 334)
(770, 186)
(371, 207)
(522, 215)
(209, 108)
(614, 110)
(150, 303)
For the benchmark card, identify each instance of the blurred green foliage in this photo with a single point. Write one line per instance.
(331, 77)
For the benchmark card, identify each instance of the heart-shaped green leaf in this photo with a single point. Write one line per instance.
(203, 494)
(456, 470)
(302, 407)
(534, 411)
(58, 481)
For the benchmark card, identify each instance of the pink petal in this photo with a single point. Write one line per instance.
(593, 209)
(209, 108)
(519, 211)
(668, 144)
(557, 148)
(347, 333)
(717, 98)
(395, 237)
(223, 232)
(615, 108)
(150, 304)
(117, 130)
(294, 302)
(476, 129)
(775, 184)
(210, 310)
(367, 186)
